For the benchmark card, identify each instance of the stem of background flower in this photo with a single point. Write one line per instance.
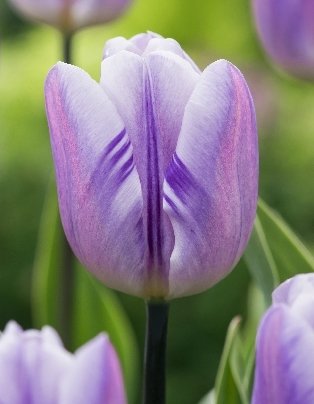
(68, 260)
(155, 353)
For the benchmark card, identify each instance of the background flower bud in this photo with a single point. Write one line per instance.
(156, 166)
(286, 30)
(285, 346)
(70, 15)
(35, 368)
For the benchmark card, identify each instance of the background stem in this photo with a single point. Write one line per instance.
(155, 353)
(67, 257)
(67, 39)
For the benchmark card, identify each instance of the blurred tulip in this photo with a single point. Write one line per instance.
(36, 369)
(285, 346)
(286, 30)
(70, 15)
(156, 166)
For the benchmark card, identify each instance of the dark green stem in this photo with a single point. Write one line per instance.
(155, 353)
(67, 39)
(67, 257)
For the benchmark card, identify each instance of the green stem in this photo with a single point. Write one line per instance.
(67, 39)
(155, 353)
(67, 257)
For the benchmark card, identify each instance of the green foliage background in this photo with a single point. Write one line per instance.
(208, 30)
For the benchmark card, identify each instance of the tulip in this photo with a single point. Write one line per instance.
(285, 346)
(156, 166)
(35, 368)
(286, 30)
(70, 15)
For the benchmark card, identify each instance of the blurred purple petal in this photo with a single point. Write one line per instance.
(31, 367)
(287, 32)
(70, 15)
(291, 289)
(95, 376)
(36, 369)
(284, 359)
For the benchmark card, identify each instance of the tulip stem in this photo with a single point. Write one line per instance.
(67, 257)
(67, 47)
(155, 353)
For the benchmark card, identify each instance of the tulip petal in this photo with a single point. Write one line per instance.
(298, 294)
(97, 11)
(98, 187)
(47, 11)
(123, 73)
(211, 183)
(284, 359)
(152, 108)
(291, 290)
(95, 376)
(286, 31)
(44, 366)
(12, 385)
(25, 361)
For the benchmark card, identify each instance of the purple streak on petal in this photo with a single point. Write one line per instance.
(172, 205)
(157, 264)
(99, 190)
(95, 375)
(212, 180)
(284, 359)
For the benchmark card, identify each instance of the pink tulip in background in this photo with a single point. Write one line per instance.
(70, 15)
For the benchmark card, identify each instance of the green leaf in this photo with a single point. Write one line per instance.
(95, 308)
(209, 398)
(289, 253)
(256, 307)
(228, 386)
(260, 262)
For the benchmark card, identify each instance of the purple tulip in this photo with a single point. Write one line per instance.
(70, 15)
(285, 346)
(156, 166)
(286, 30)
(36, 369)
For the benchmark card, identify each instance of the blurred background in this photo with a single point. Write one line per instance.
(208, 30)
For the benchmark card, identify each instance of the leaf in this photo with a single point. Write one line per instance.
(209, 398)
(256, 307)
(228, 386)
(95, 308)
(289, 253)
(260, 262)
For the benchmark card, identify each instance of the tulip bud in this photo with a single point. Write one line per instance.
(286, 30)
(35, 368)
(70, 15)
(156, 166)
(285, 346)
